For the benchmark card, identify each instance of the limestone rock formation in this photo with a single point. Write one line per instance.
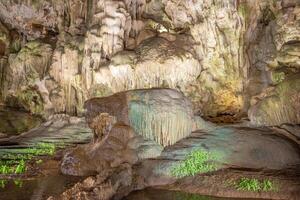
(219, 53)
(121, 147)
(274, 71)
(156, 62)
(161, 115)
(24, 77)
(278, 105)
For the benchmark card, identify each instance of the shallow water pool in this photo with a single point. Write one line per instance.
(159, 194)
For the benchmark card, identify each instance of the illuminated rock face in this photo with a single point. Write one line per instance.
(156, 63)
(24, 84)
(278, 105)
(274, 73)
(219, 53)
(161, 115)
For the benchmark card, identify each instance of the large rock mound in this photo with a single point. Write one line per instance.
(162, 115)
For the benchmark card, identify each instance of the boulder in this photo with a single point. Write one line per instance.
(161, 115)
(121, 146)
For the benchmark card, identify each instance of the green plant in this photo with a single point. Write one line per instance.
(249, 185)
(10, 167)
(14, 160)
(254, 185)
(21, 167)
(18, 183)
(14, 157)
(6, 169)
(198, 161)
(39, 161)
(3, 183)
(45, 149)
(39, 149)
(268, 185)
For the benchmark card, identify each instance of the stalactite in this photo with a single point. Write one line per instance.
(161, 115)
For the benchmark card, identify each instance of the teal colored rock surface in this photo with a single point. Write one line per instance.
(162, 115)
(221, 148)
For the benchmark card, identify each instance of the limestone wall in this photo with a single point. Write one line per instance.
(218, 53)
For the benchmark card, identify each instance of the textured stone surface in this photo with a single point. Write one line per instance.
(274, 68)
(156, 62)
(121, 146)
(24, 74)
(14, 122)
(161, 115)
(278, 105)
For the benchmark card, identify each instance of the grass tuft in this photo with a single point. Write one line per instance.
(198, 161)
(268, 185)
(255, 185)
(21, 167)
(15, 160)
(6, 169)
(3, 183)
(248, 185)
(18, 183)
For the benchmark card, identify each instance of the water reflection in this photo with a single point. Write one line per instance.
(18, 183)
(157, 194)
(36, 189)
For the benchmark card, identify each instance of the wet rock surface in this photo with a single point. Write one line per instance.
(288, 182)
